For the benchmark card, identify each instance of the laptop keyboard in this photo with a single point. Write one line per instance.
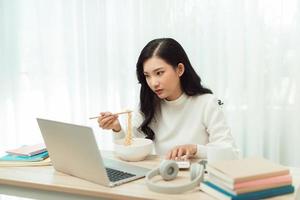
(116, 175)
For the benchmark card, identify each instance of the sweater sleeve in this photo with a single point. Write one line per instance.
(219, 133)
(137, 119)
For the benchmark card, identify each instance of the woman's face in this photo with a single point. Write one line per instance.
(163, 79)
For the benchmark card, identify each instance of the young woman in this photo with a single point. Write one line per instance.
(180, 115)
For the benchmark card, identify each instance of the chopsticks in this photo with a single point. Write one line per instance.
(118, 113)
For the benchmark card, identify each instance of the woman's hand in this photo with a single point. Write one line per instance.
(109, 121)
(186, 150)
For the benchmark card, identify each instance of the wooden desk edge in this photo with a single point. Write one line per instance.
(64, 189)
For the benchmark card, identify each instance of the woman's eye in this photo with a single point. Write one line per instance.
(160, 73)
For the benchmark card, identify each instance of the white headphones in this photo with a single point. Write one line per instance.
(168, 169)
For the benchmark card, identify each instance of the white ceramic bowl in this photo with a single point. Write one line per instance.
(139, 149)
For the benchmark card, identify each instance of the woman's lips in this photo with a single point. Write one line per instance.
(158, 91)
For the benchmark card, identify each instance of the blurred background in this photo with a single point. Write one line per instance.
(68, 60)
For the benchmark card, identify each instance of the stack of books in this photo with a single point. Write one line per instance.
(246, 179)
(31, 155)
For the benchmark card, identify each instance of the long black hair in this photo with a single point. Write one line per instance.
(172, 53)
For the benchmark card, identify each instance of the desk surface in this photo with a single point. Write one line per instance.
(39, 179)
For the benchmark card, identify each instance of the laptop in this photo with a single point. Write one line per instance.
(73, 150)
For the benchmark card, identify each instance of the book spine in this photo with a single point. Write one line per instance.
(265, 181)
(266, 193)
(254, 183)
(247, 196)
(251, 178)
(233, 181)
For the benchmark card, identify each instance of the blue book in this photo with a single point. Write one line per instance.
(37, 157)
(219, 193)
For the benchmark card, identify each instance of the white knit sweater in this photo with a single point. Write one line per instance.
(186, 120)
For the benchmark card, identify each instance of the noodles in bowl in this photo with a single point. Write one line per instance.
(132, 149)
(138, 150)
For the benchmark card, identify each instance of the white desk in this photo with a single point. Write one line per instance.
(45, 183)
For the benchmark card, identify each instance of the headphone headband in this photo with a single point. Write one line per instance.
(196, 169)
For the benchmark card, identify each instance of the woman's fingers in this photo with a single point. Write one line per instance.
(187, 153)
(181, 152)
(109, 121)
(174, 153)
(102, 116)
(105, 114)
(168, 155)
(106, 119)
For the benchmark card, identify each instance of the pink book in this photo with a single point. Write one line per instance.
(254, 185)
(265, 181)
(258, 183)
(29, 150)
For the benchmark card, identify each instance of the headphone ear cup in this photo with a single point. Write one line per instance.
(168, 169)
(196, 169)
